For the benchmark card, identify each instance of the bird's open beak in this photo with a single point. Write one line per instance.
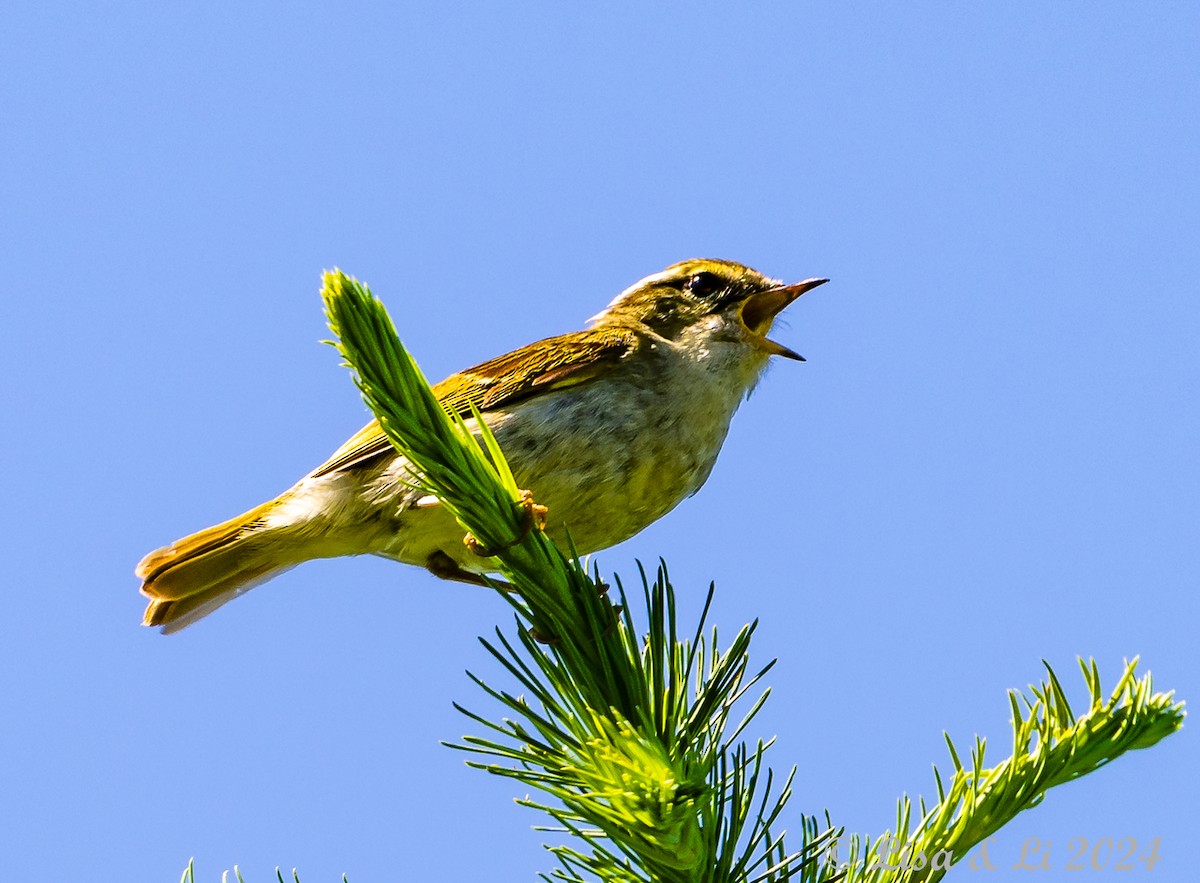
(760, 310)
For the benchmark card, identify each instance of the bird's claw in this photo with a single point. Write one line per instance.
(534, 518)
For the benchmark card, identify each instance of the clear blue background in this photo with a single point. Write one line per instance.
(990, 458)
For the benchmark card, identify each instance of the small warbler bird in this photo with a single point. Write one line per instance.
(610, 428)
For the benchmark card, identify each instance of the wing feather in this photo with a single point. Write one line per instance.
(553, 363)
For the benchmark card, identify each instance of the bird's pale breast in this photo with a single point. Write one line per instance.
(608, 457)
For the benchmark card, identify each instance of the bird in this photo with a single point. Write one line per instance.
(610, 427)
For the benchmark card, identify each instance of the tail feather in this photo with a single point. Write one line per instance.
(192, 577)
(161, 569)
(176, 615)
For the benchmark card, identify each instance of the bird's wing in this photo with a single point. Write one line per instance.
(551, 364)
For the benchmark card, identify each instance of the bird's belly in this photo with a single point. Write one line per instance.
(606, 459)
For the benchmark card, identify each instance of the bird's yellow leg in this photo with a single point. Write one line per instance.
(534, 519)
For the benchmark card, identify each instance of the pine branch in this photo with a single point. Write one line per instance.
(632, 739)
(1050, 746)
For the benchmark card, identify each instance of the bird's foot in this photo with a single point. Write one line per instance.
(534, 518)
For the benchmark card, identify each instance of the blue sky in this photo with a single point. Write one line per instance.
(990, 457)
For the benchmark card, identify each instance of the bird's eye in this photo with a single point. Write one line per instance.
(704, 285)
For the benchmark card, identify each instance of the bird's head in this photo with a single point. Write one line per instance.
(708, 300)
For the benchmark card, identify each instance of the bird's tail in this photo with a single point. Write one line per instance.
(192, 577)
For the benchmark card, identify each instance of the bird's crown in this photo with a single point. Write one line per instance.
(684, 293)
